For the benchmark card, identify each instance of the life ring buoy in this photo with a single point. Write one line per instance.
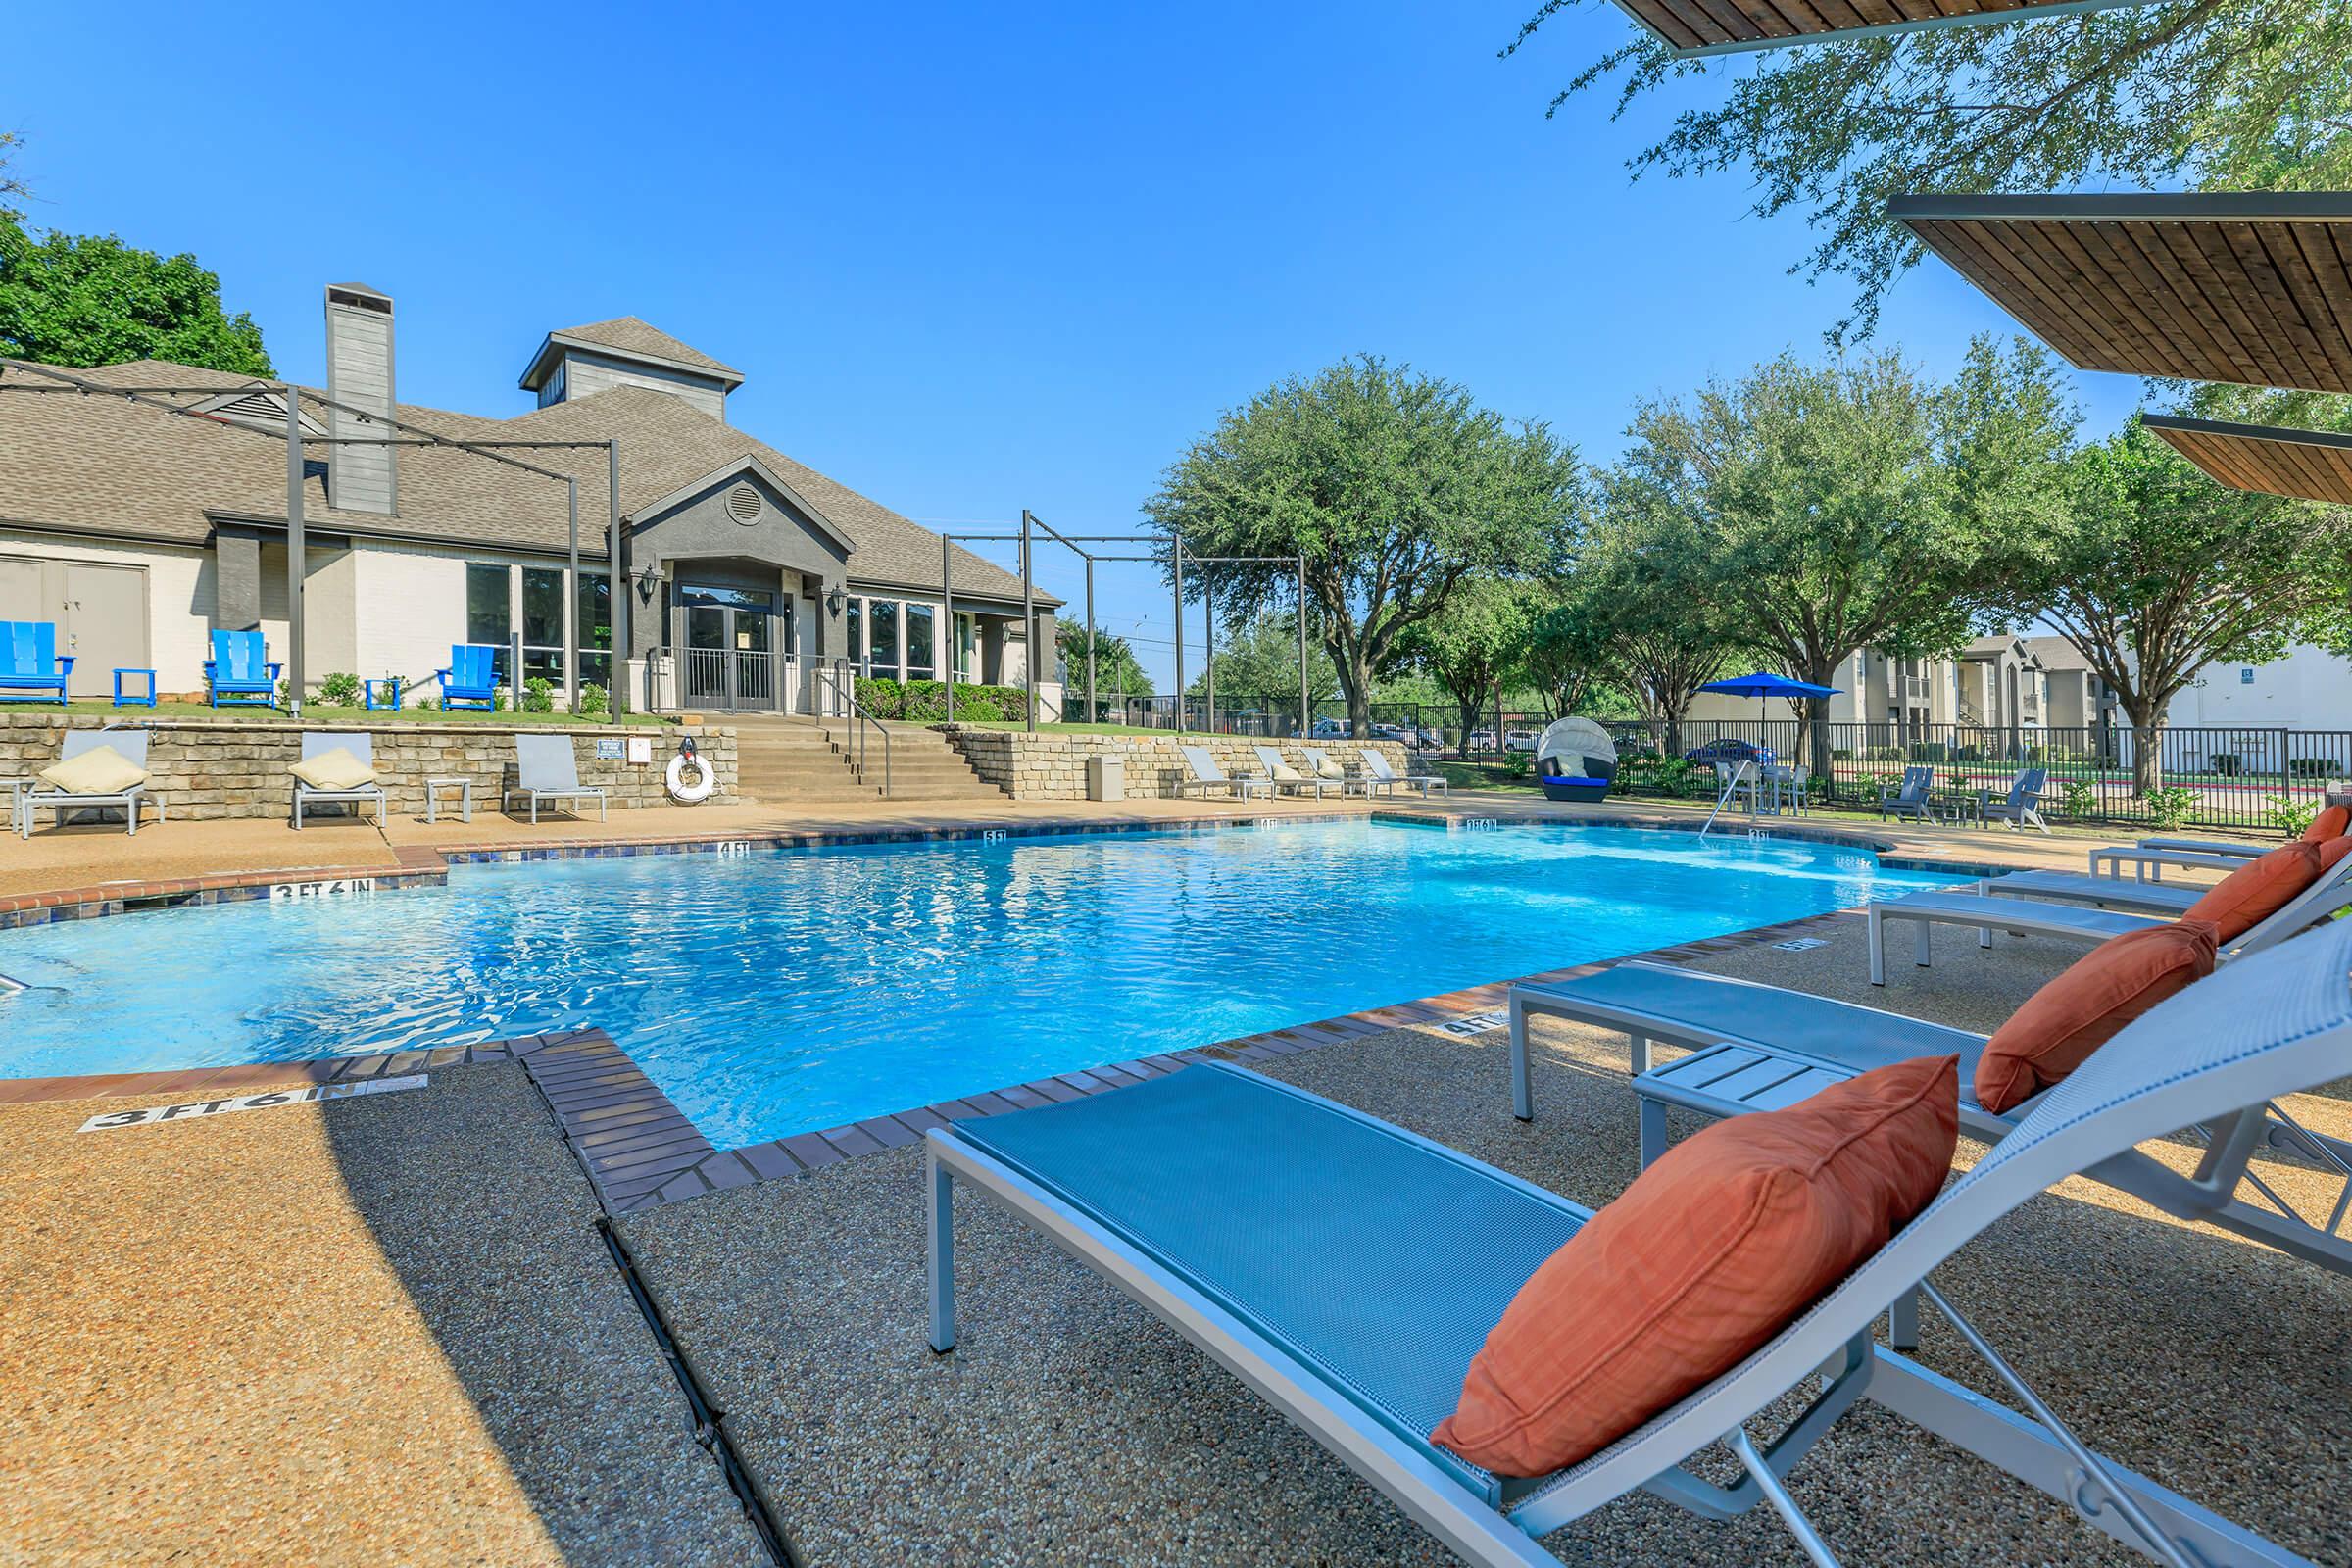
(706, 778)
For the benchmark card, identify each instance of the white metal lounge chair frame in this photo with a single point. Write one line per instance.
(2076, 922)
(1378, 775)
(1317, 760)
(2273, 1026)
(1270, 756)
(317, 743)
(130, 744)
(550, 756)
(1208, 775)
(2130, 1172)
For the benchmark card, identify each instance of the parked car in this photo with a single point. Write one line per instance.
(1428, 740)
(1334, 729)
(1521, 740)
(1391, 732)
(1726, 750)
(1482, 740)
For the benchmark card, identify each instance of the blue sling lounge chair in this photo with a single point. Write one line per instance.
(471, 678)
(1349, 1270)
(30, 671)
(239, 673)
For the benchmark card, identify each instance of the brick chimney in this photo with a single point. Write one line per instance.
(358, 376)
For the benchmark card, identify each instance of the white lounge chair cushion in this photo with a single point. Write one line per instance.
(100, 770)
(337, 769)
(1285, 773)
(1325, 767)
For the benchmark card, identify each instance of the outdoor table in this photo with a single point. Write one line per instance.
(464, 788)
(389, 685)
(17, 789)
(134, 700)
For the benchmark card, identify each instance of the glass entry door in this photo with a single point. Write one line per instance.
(730, 647)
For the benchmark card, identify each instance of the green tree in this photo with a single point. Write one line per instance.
(1632, 574)
(2217, 94)
(1258, 660)
(2155, 572)
(1116, 670)
(93, 300)
(1821, 509)
(1475, 638)
(1394, 487)
(12, 186)
(1568, 655)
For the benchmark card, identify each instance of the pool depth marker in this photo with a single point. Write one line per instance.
(198, 1109)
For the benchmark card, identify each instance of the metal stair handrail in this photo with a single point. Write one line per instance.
(845, 691)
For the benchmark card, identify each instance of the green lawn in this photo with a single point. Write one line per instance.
(319, 714)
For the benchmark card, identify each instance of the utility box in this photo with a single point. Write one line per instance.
(1106, 778)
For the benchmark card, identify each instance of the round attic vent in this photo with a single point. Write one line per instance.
(744, 503)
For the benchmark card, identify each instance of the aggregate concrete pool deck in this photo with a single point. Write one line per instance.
(373, 1330)
(1069, 1427)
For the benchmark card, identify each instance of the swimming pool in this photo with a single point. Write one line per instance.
(791, 990)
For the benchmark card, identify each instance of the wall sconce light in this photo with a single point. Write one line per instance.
(834, 600)
(648, 578)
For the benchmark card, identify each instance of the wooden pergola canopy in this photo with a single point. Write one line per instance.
(1730, 26)
(2310, 465)
(2251, 287)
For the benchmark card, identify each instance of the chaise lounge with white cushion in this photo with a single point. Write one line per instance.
(1203, 775)
(1287, 777)
(336, 769)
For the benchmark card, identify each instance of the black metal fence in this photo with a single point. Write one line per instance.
(2245, 777)
(2248, 777)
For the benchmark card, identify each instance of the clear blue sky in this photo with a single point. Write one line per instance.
(968, 260)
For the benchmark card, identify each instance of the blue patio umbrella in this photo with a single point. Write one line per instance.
(1761, 685)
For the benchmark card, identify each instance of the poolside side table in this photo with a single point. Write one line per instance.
(464, 788)
(135, 699)
(388, 686)
(1728, 1080)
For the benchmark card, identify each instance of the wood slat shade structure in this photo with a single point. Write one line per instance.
(2310, 465)
(1732, 26)
(2252, 287)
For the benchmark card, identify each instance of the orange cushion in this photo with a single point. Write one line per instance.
(2259, 889)
(1705, 1258)
(2088, 1005)
(2331, 823)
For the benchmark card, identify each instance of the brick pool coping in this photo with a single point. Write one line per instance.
(639, 1150)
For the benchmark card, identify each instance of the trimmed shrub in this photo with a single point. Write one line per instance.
(594, 698)
(925, 702)
(339, 690)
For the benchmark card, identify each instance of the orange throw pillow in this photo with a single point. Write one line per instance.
(1705, 1258)
(2331, 823)
(2262, 887)
(2088, 1005)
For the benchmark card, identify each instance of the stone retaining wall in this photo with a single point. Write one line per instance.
(1051, 765)
(208, 768)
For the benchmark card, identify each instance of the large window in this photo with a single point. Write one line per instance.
(922, 643)
(488, 615)
(853, 635)
(594, 624)
(882, 637)
(543, 624)
(967, 646)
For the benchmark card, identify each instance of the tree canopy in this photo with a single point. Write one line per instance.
(1818, 510)
(2152, 570)
(12, 185)
(1393, 486)
(1117, 673)
(2217, 94)
(92, 299)
(1473, 641)
(1259, 659)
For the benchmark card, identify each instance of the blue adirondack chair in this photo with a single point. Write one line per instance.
(239, 673)
(471, 678)
(29, 670)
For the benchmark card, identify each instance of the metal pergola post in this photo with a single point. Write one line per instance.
(1176, 557)
(1208, 646)
(617, 604)
(571, 598)
(1094, 709)
(1306, 703)
(1028, 629)
(294, 554)
(946, 609)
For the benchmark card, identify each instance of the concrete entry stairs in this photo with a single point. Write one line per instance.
(785, 759)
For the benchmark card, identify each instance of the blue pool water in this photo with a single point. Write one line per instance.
(792, 990)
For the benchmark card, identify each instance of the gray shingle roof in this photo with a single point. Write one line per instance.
(99, 464)
(2057, 654)
(630, 336)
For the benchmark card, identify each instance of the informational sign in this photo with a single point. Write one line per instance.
(1800, 943)
(342, 886)
(609, 750)
(641, 749)
(198, 1109)
(2245, 676)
